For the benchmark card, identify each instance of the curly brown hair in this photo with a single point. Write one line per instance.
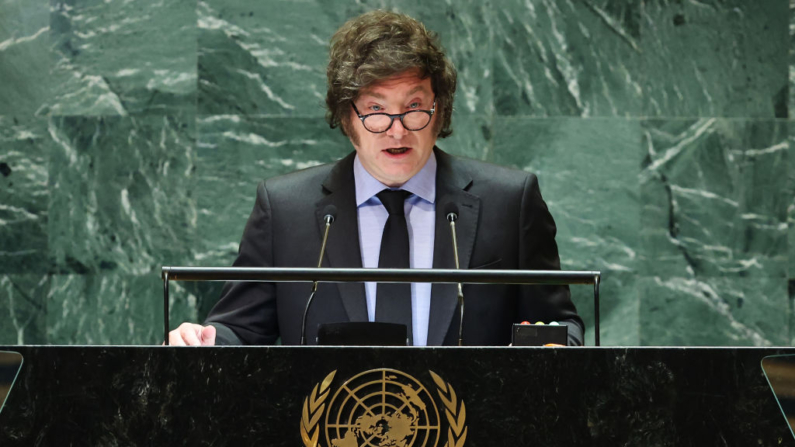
(377, 45)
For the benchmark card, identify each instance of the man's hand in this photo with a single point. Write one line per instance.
(188, 334)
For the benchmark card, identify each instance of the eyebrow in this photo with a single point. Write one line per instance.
(411, 92)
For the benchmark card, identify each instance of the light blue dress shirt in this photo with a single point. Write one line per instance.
(420, 211)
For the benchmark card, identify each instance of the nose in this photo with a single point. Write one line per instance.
(397, 130)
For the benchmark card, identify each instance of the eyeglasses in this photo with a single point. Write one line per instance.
(413, 120)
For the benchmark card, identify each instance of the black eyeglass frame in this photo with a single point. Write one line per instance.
(397, 115)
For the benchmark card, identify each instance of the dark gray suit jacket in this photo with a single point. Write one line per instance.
(503, 223)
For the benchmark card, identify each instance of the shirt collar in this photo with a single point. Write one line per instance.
(423, 184)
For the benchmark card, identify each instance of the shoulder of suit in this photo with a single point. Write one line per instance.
(313, 176)
(481, 171)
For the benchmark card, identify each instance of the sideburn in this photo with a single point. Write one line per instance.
(345, 125)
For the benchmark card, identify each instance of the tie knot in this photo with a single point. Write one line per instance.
(393, 200)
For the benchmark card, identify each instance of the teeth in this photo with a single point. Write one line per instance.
(398, 150)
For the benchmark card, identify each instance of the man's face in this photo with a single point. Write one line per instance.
(393, 157)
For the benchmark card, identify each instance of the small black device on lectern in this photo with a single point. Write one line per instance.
(362, 334)
(539, 334)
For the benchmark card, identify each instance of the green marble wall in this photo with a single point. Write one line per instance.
(133, 134)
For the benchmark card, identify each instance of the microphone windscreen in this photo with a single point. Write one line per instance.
(330, 211)
(450, 208)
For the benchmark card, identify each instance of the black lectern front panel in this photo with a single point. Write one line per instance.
(332, 396)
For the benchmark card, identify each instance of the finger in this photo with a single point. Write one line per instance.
(174, 339)
(208, 336)
(189, 333)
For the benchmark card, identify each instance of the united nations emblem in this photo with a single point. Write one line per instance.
(382, 408)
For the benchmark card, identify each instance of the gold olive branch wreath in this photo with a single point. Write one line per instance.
(313, 410)
(456, 414)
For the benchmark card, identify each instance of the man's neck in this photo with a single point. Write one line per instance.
(422, 184)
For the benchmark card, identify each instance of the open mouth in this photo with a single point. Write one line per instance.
(397, 150)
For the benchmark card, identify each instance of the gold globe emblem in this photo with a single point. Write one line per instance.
(382, 408)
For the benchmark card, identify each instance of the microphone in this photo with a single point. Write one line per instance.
(329, 214)
(451, 211)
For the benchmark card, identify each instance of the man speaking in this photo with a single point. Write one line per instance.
(390, 90)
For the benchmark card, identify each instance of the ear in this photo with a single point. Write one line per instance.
(438, 117)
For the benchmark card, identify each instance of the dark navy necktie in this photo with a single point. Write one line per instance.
(393, 300)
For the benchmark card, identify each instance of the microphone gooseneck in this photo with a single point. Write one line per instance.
(329, 214)
(451, 212)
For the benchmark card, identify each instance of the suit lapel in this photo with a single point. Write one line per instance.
(451, 186)
(342, 248)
